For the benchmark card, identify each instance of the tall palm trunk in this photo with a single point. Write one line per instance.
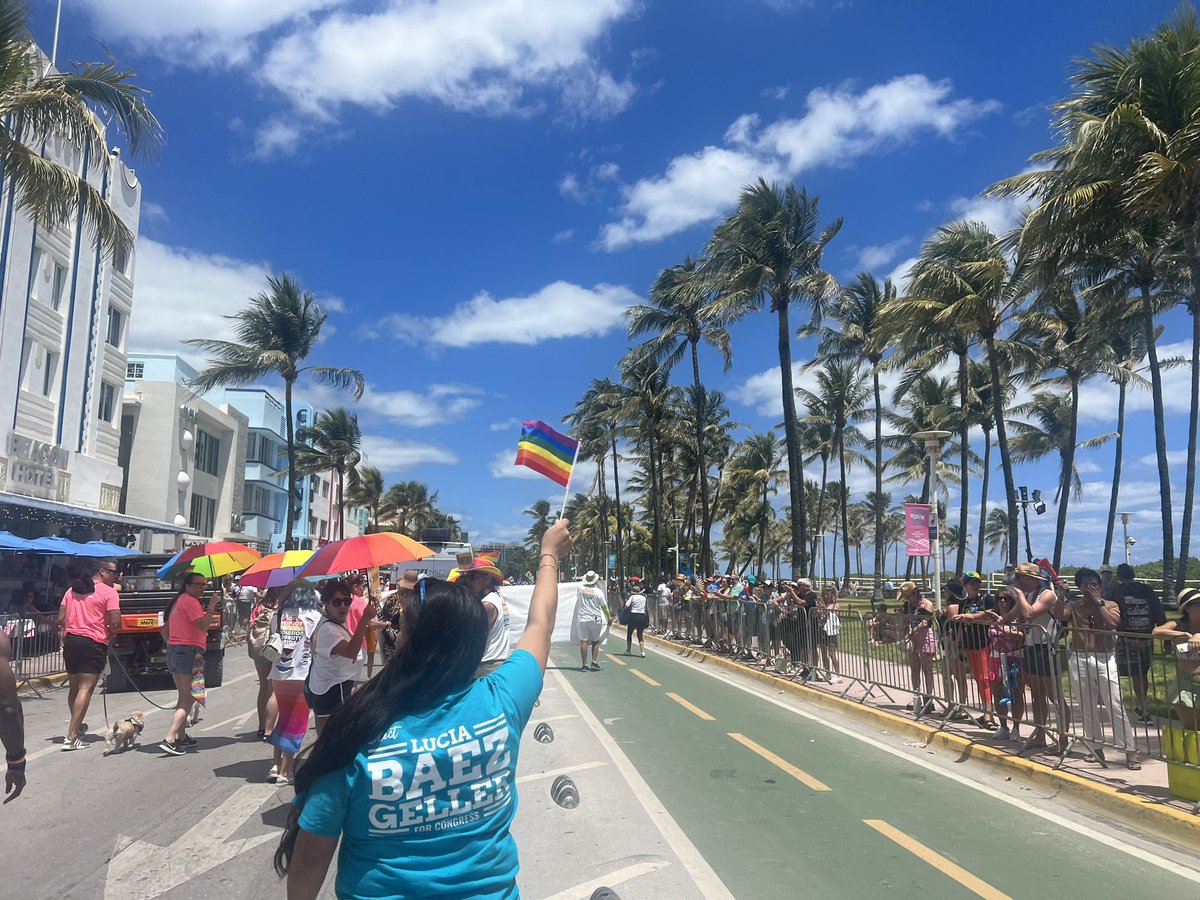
(1160, 442)
(820, 525)
(877, 588)
(1118, 456)
(620, 524)
(792, 439)
(964, 449)
(1068, 466)
(1189, 477)
(844, 503)
(1010, 489)
(655, 508)
(701, 462)
(289, 542)
(762, 531)
(983, 502)
(341, 474)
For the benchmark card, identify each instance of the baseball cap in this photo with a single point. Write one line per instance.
(1125, 572)
(1106, 569)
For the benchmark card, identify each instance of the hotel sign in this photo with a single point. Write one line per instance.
(38, 469)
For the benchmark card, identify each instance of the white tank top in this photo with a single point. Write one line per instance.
(498, 636)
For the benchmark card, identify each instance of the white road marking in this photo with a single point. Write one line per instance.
(239, 720)
(554, 773)
(144, 870)
(1096, 835)
(583, 891)
(557, 718)
(693, 862)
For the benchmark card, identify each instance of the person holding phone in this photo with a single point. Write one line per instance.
(187, 624)
(336, 653)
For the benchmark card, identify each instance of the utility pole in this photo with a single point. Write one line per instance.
(1125, 531)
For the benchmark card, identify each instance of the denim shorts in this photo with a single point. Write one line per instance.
(181, 659)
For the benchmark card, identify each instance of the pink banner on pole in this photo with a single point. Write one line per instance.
(916, 528)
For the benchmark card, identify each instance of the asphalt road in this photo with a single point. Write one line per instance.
(692, 784)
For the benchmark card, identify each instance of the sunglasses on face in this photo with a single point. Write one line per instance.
(338, 601)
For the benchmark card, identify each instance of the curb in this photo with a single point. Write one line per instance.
(43, 682)
(1165, 820)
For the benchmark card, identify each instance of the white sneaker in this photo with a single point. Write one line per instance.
(643, 651)
(76, 744)
(833, 679)
(273, 775)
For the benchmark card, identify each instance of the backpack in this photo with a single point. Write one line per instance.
(272, 650)
(260, 632)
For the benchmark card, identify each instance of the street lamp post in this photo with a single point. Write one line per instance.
(1125, 532)
(933, 448)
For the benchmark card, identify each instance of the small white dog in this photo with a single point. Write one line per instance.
(124, 733)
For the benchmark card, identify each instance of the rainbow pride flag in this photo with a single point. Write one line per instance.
(544, 450)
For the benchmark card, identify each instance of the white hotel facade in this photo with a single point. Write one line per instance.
(65, 306)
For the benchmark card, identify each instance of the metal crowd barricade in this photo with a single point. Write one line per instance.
(36, 651)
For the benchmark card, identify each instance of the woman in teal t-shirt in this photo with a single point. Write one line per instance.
(416, 772)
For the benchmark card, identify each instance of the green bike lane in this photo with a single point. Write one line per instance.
(770, 832)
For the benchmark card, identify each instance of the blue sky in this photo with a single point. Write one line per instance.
(479, 188)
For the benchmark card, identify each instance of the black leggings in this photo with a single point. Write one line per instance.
(638, 623)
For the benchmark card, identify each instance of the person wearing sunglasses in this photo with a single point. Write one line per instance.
(336, 652)
(416, 772)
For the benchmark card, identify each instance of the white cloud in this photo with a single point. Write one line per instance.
(181, 293)
(201, 33)
(837, 127)
(1174, 458)
(1087, 467)
(154, 212)
(1000, 215)
(559, 310)
(778, 92)
(473, 55)
(506, 425)
(436, 405)
(277, 137)
(899, 275)
(561, 237)
(390, 455)
(876, 256)
(502, 466)
(1098, 397)
(588, 187)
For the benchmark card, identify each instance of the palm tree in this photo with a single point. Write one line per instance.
(409, 507)
(842, 397)
(769, 251)
(275, 334)
(682, 315)
(981, 414)
(367, 491)
(1053, 430)
(542, 514)
(597, 418)
(37, 105)
(759, 462)
(997, 534)
(648, 401)
(331, 443)
(861, 334)
(968, 285)
(1066, 335)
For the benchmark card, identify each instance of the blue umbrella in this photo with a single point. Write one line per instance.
(62, 547)
(9, 541)
(104, 548)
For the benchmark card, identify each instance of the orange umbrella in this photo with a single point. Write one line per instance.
(363, 552)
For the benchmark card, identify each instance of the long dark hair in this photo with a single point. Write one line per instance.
(83, 574)
(444, 637)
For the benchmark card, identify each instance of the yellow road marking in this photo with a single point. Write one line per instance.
(617, 660)
(799, 774)
(958, 873)
(646, 678)
(697, 710)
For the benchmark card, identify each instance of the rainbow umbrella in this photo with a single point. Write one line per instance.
(276, 569)
(214, 559)
(363, 552)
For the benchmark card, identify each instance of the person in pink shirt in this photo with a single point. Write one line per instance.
(187, 634)
(358, 606)
(88, 615)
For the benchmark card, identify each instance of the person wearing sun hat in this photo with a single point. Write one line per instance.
(482, 578)
(1184, 638)
(591, 619)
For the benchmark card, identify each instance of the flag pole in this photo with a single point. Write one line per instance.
(567, 493)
